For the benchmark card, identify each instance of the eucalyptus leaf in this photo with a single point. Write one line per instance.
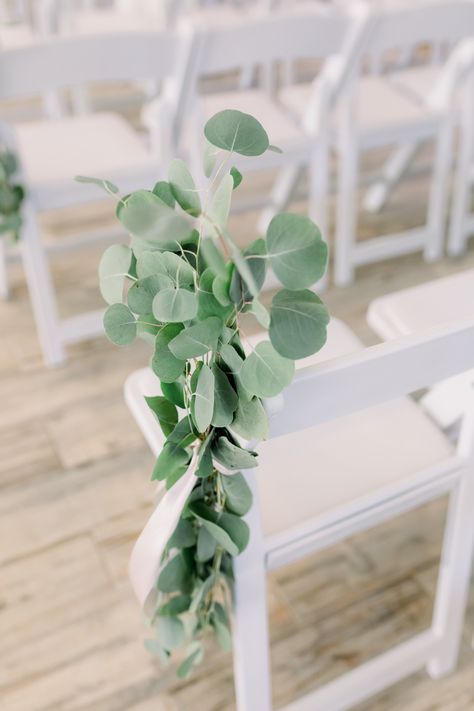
(174, 392)
(265, 372)
(209, 158)
(183, 535)
(175, 305)
(172, 462)
(232, 456)
(205, 465)
(113, 269)
(141, 294)
(174, 576)
(104, 184)
(237, 492)
(221, 201)
(207, 302)
(164, 364)
(237, 132)
(212, 256)
(255, 259)
(297, 253)
(165, 412)
(120, 324)
(163, 190)
(147, 217)
(175, 605)
(167, 264)
(194, 656)
(236, 176)
(260, 313)
(225, 399)
(222, 634)
(229, 530)
(202, 401)
(250, 420)
(206, 545)
(196, 340)
(183, 187)
(170, 632)
(298, 323)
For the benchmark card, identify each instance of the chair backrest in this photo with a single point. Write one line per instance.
(56, 63)
(264, 38)
(341, 386)
(406, 26)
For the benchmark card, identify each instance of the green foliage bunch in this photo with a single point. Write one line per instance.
(11, 195)
(183, 284)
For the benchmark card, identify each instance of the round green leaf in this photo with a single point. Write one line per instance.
(141, 294)
(172, 462)
(162, 190)
(120, 325)
(174, 392)
(174, 576)
(208, 304)
(165, 412)
(232, 456)
(237, 176)
(265, 373)
(298, 323)
(170, 632)
(206, 545)
(297, 253)
(166, 264)
(183, 187)
(113, 268)
(254, 257)
(236, 131)
(250, 420)
(197, 340)
(225, 399)
(229, 530)
(238, 497)
(202, 402)
(175, 305)
(147, 217)
(164, 364)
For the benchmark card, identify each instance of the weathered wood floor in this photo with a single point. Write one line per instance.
(75, 493)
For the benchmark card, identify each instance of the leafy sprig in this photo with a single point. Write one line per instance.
(11, 195)
(183, 284)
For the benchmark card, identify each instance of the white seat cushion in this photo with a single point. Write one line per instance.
(321, 469)
(379, 106)
(101, 145)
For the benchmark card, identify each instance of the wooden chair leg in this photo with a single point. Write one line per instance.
(378, 193)
(280, 195)
(438, 199)
(251, 644)
(41, 290)
(346, 212)
(456, 561)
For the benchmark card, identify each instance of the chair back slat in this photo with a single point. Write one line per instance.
(61, 62)
(375, 375)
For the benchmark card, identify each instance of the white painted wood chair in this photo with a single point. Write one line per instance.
(461, 225)
(104, 145)
(360, 452)
(267, 39)
(420, 80)
(410, 311)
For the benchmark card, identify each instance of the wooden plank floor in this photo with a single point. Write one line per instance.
(75, 493)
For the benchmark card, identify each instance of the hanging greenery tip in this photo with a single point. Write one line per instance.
(11, 195)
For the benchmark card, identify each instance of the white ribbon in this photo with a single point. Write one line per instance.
(145, 560)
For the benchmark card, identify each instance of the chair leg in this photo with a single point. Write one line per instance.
(41, 290)
(461, 191)
(378, 193)
(250, 636)
(346, 212)
(280, 195)
(454, 578)
(436, 219)
(4, 286)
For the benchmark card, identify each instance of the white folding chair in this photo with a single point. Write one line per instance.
(360, 451)
(261, 40)
(461, 225)
(52, 152)
(393, 119)
(435, 303)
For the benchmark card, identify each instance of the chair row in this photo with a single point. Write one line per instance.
(345, 110)
(358, 451)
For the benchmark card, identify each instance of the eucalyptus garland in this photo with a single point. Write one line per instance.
(183, 284)
(11, 195)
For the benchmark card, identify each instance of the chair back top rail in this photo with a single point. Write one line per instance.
(59, 62)
(372, 376)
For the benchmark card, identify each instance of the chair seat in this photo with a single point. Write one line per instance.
(380, 107)
(424, 306)
(282, 130)
(311, 473)
(101, 145)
